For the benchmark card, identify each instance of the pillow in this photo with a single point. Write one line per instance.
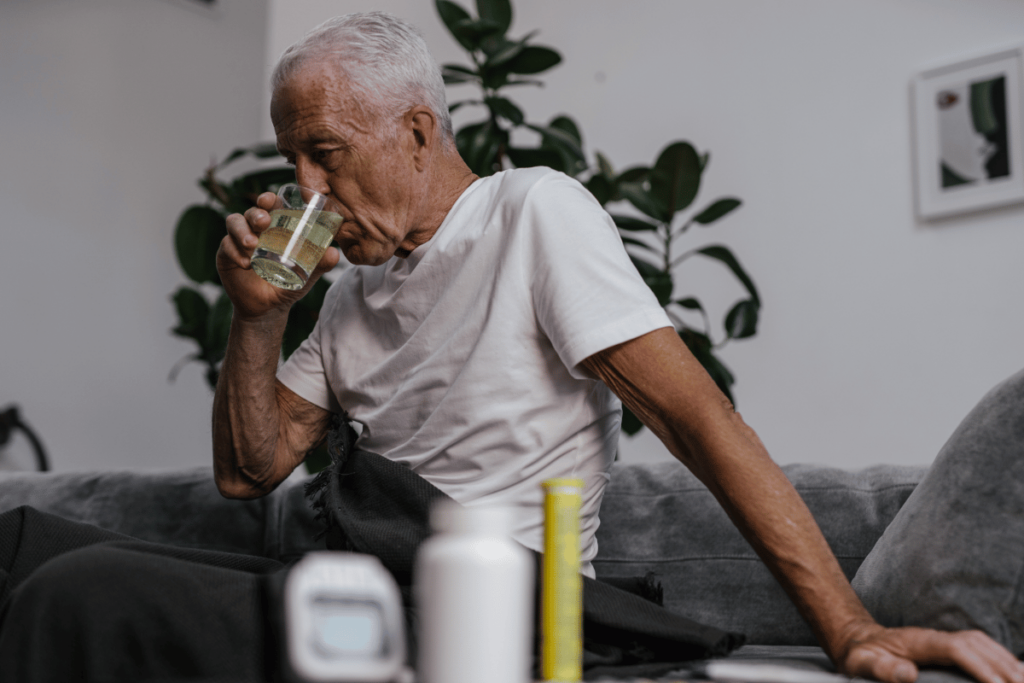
(953, 558)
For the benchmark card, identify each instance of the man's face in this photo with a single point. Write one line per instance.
(339, 151)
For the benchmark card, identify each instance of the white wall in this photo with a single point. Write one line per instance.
(879, 332)
(109, 111)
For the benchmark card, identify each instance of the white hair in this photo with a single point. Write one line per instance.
(384, 58)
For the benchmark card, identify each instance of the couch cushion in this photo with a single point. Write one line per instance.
(954, 556)
(659, 518)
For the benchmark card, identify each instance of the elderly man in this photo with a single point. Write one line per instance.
(482, 332)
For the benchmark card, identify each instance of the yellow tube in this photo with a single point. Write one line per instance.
(562, 588)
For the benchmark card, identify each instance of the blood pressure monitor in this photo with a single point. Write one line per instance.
(343, 619)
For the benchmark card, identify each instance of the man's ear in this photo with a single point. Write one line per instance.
(422, 124)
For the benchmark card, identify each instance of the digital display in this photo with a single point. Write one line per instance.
(344, 628)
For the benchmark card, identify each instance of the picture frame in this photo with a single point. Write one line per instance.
(968, 145)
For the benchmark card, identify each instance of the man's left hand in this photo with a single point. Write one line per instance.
(892, 655)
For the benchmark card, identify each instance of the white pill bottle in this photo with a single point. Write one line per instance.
(474, 593)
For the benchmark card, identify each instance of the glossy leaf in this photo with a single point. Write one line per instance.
(605, 166)
(600, 187)
(196, 240)
(741, 320)
(476, 31)
(569, 127)
(721, 253)
(525, 157)
(302, 317)
(193, 311)
(557, 138)
(639, 195)
(533, 60)
(658, 280)
(689, 303)
(504, 108)
(718, 209)
(452, 15)
(499, 51)
(701, 348)
(676, 178)
(630, 223)
(499, 12)
(479, 145)
(252, 184)
(217, 328)
(631, 424)
(454, 74)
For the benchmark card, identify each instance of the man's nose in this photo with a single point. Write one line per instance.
(311, 175)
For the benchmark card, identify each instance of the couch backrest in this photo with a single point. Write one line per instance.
(654, 518)
(661, 519)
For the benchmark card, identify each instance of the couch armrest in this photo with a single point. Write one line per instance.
(181, 508)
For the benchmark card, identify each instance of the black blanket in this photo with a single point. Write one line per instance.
(370, 504)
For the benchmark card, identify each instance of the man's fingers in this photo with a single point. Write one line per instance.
(890, 655)
(983, 658)
(880, 664)
(267, 201)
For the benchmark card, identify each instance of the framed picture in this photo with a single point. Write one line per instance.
(967, 134)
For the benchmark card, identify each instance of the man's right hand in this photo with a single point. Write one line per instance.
(252, 296)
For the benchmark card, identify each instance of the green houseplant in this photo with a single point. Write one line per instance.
(662, 193)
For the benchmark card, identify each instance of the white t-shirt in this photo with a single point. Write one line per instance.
(461, 360)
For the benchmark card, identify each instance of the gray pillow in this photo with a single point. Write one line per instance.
(953, 558)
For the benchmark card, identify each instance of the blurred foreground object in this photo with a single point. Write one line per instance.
(474, 591)
(344, 619)
(562, 590)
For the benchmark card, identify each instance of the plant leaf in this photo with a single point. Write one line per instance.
(196, 241)
(454, 74)
(717, 209)
(569, 127)
(497, 11)
(526, 157)
(701, 348)
(630, 223)
(533, 60)
(722, 253)
(605, 166)
(452, 15)
(601, 188)
(193, 312)
(741, 320)
(639, 195)
(658, 280)
(504, 108)
(690, 303)
(676, 178)
(217, 327)
(302, 317)
(558, 139)
(631, 424)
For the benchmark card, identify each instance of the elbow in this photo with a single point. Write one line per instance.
(238, 485)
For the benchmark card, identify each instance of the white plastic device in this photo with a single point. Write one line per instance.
(343, 619)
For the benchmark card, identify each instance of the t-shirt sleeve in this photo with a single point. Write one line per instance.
(305, 374)
(587, 293)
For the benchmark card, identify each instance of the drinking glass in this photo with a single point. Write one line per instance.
(302, 225)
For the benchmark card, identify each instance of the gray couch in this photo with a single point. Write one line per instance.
(655, 518)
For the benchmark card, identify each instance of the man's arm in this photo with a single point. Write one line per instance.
(261, 429)
(658, 378)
